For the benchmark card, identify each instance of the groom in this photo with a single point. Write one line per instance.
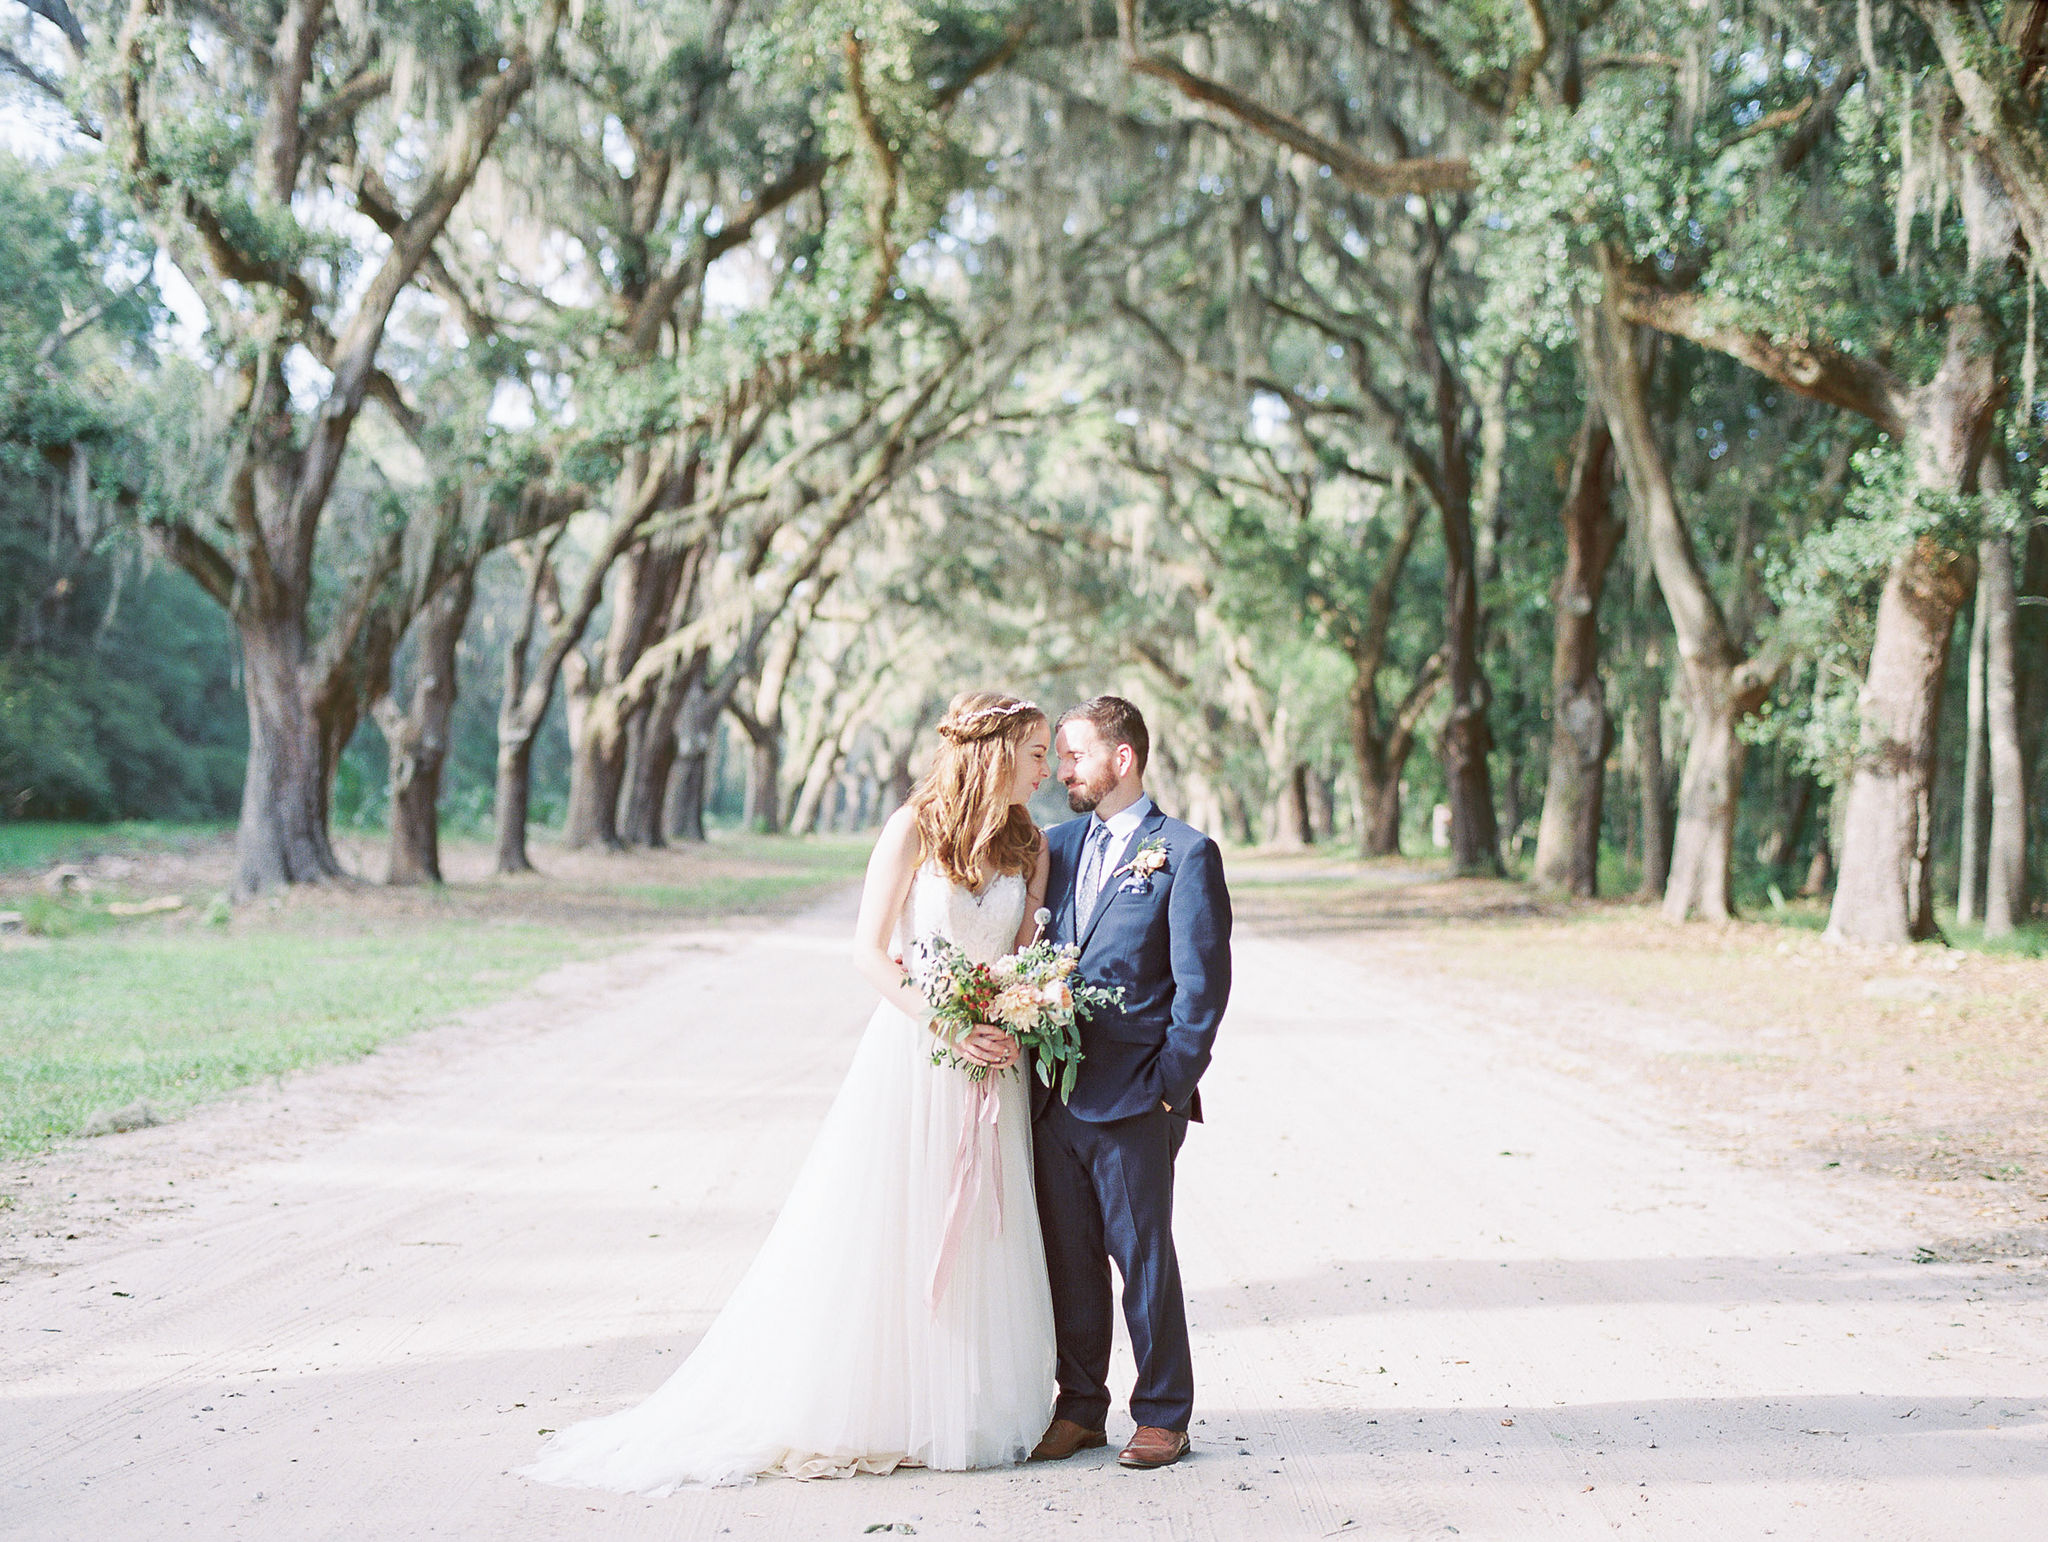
(1143, 896)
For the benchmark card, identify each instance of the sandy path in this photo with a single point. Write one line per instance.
(1436, 1289)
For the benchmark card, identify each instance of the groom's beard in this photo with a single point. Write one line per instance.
(1082, 796)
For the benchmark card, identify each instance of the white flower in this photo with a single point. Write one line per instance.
(1016, 1007)
(1151, 858)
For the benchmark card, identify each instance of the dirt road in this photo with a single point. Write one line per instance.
(1436, 1288)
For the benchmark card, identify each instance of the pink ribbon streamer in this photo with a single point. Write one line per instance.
(975, 1161)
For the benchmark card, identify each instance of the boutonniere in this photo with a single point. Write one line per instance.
(1149, 858)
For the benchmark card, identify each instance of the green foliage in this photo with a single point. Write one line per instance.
(79, 742)
(1692, 191)
(115, 691)
(62, 252)
(1827, 589)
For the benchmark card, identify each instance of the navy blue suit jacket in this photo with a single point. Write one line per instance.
(1165, 939)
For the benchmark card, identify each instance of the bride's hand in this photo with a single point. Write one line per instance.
(989, 1046)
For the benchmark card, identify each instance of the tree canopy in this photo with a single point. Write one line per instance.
(1598, 435)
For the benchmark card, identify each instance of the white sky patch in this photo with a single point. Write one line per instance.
(618, 149)
(185, 331)
(32, 126)
(512, 406)
(307, 378)
(741, 279)
(1269, 417)
(570, 284)
(34, 130)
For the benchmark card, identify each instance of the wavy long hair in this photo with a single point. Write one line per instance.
(965, 819)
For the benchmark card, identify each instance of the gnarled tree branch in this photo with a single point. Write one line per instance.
(1360, 173)
(1814, 369)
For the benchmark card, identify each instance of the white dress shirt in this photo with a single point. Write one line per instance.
(1122, 825)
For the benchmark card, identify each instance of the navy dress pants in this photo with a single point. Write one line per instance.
(1105, 1191)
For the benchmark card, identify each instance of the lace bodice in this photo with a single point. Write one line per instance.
(983, 925)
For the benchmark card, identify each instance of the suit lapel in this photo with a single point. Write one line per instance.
(1111, 888)
(1064, 924)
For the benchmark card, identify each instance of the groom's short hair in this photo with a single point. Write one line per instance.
(1117, 721)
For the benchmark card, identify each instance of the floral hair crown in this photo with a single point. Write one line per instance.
(983, 721)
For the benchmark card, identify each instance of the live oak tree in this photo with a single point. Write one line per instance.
(1831, 344)
(1443, 456)
(1480, 399)
(243, 133)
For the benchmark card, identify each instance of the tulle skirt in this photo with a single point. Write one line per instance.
(830, 1358)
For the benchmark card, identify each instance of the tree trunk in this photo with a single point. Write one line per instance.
(650, 598)
(1204, 809)
(1383, 819)
(1581, 732)
(2030, 649)
(1703, 846)
(597, 770)
(764, 782)
(1379, 794)
(1381, 756)
(1884, 893)
(897, 786)
(1237, 816)
(514, 795)
(689, 783)
(654, 763)
(1653, 810)
(1322, 805)
(1791, 810)
(1820, 872)
(810, 799)
(647, 785)
(2005, 872)
(282, 835)
(1723, 686)
(1286, 817)
(417, 738)
(688, 789)
(1466, 739)
(1297, 831)
(522, 705)
(1511, 805)
(1970, 856)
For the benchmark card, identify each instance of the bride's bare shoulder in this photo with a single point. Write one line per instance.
(899, 835)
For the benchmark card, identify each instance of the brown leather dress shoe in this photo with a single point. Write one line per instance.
(1063, 1437)
(1153, 1447)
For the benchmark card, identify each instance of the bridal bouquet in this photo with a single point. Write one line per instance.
(1031, 995)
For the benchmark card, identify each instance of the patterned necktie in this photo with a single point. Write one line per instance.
(1092, 865)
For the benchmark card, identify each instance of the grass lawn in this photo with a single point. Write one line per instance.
(98, 1010)
(96, 1021)
(35, 844)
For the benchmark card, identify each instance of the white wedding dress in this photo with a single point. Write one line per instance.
(829, 1359)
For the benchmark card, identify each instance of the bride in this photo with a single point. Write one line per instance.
(848, 1346)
